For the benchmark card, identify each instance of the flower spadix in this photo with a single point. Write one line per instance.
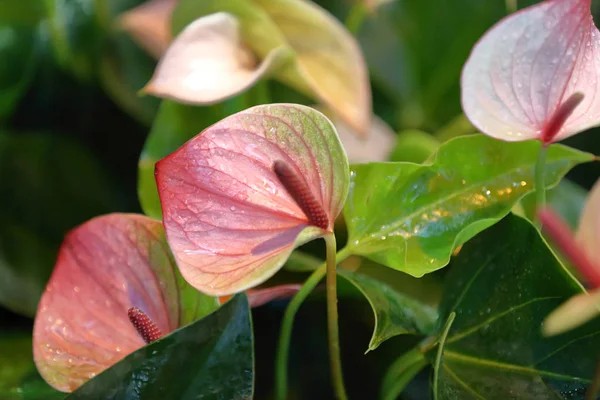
(241, 195)
(114, 288)
(582, 250)
(534, 75)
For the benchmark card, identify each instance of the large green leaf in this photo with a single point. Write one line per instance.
(49, 185)
(19, 379)
(212, 358)
(472, 183)
(501, 286)
(395, 312)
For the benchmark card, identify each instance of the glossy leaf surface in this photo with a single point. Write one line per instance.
(207, 63)
(501, 286)
(105, 267)
(395, 312)
(229, 220)
(49, 185)
(530, 63)
(212, 358)
(430, 209)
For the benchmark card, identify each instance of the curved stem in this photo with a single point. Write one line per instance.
(285, 334)
(440, 354)
(540, 184)
(332, 320)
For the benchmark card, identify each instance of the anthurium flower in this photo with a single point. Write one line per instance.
(115, 287)
(294, 41)
(582, 250)
(241, 195)
(207, 63)
(535, 74)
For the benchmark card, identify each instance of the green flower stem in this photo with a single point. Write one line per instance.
(540, 184)
(335, 358)
(285, 335)
(440, 354)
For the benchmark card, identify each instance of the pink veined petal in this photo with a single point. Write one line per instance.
(527, 65)
(229, 221)
(104, 267)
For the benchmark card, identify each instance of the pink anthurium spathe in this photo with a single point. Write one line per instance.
(241, 195)
(535, 74)
(114, 288)
(582, 250)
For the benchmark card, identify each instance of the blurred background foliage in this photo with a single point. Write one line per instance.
(72, 129)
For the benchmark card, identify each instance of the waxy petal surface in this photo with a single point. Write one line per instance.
(207, 63)
(230, 222)
(573, 313)
(149, 25)
(529, 64)
(260, 296)
(105, 267)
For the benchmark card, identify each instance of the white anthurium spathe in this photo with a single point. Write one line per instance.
(534, 75)
(208, 63)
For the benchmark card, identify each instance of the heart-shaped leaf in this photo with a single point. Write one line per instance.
(527, 66)
(211, 359)
(105, 267)
(207, 63)
(501, 286)
(395, 312)
(431, 209)
(230, 221)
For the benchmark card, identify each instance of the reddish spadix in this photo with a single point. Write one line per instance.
(105, 268)
(534, 75)
(241, 195)
(114, 289)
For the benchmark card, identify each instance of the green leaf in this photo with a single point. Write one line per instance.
(471, 184)
(212, 358)
(567, 199)
(19, 379)
(395, 312)
(501, 286)
(19, 45)
(49, 185)
(401, 372)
